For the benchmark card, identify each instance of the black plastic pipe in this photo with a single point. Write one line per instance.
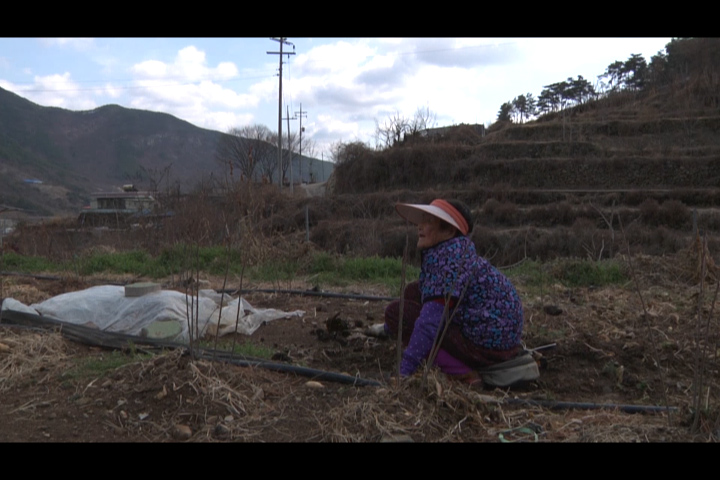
(287, 368)
(121, 341)
(31, 275)
(590, 406)
(311, 293)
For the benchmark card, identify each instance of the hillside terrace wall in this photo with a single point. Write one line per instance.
(548, 165)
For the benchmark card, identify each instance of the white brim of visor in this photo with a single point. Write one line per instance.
(413, 213)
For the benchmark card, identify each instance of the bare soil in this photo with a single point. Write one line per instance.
(643, 344)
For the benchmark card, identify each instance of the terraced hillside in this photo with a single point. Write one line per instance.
(637, 166)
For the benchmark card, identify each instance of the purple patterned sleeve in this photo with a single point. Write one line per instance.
(489, 311)
(422, 338)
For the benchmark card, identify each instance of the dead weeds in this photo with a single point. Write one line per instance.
(610, 349)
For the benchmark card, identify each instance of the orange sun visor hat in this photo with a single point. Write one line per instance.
(439, 208)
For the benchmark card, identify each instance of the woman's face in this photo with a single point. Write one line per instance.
(432, 230)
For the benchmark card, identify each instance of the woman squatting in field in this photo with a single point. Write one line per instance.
(485, 311)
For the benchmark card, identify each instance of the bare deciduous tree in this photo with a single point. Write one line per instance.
(423, 119)
(396, 127)
(250, 150)
(346, 153)
(391, 131)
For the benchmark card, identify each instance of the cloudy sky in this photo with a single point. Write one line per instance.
(345, 85)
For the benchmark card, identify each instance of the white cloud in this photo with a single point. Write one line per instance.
(189, 65)
(55, 91)
(374, 78)
(187, 88)
(329, 129)
(226, 70)
(556, 59)
(345, 85)
(223, 121)
(150, 68)
(267, 89)
(344, 75)
(216, 94)
(5, 85)
(207, 105)
(338, 58)
(461, 80)
(112, 91)
(168, 94)
(354, 80)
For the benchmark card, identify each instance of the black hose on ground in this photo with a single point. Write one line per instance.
(121, 341)
(312, 373)
(31, 275)
(310, 293)
(554, 405)
(94, 337)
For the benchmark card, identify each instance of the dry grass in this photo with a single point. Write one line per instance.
(30, 355)
(164, 397)
(436, 410)
(443, 411)
(216, 402)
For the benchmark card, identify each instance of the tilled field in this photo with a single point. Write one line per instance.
(631, 363)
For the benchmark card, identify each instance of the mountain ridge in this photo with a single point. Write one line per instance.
(77, 153)
(93, 150)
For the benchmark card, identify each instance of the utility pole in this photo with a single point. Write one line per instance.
(300, 115)
(282, 41)
(289, 148)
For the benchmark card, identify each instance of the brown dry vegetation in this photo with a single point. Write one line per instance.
(642, 343)
(637, 345)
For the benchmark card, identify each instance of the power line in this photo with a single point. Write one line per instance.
(253, 77)
(128, 87)
(282, 41)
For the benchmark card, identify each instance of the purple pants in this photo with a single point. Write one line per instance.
(457, 355)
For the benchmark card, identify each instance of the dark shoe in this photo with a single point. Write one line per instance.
(522, 368)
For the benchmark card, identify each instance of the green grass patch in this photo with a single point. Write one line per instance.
(246, 348)
(136, 262)
(213, 260)
(322, 268)
(250, 349)
(592, 274)
(326, 269)
(23, 263)
(175, 260)
(102, 365)
(275, 270)
(322, 262)
(569, 273)
(530, 273)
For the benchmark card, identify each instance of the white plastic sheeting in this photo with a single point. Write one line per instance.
(162, 314)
